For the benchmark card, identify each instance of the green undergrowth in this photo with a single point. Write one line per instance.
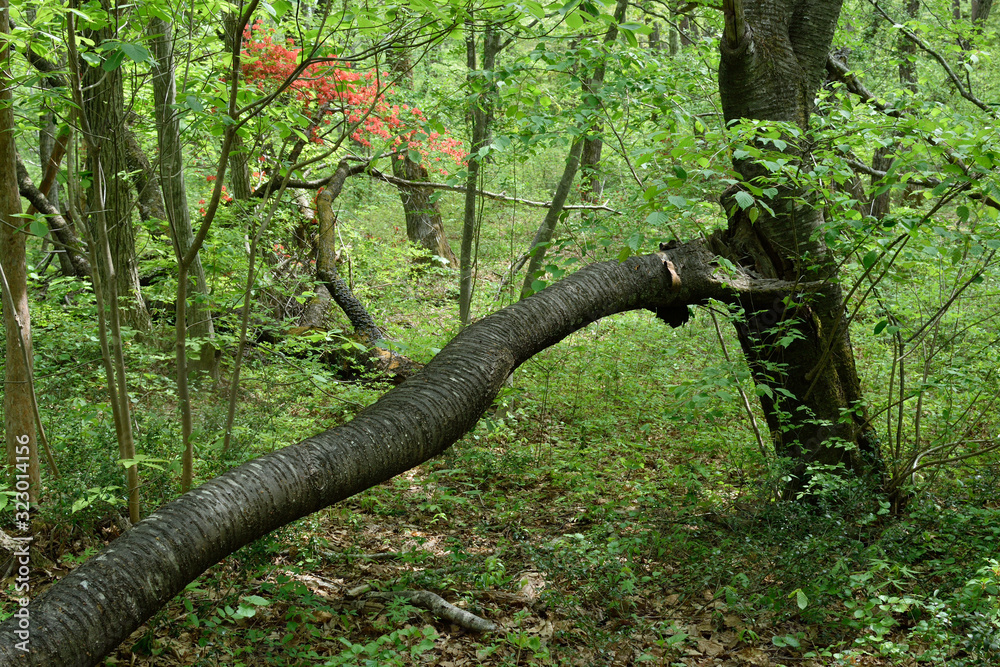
(614, 506)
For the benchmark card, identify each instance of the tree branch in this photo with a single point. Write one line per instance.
(912, 36)
(403, 183)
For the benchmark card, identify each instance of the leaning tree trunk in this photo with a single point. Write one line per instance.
(773, 59)
(90, 611)
(423, 216)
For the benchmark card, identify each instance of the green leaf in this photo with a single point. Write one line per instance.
(869, 260)
(678, 201)
(574, 20)
(880, 326)
(800, 599)
(39, 228)
(414, 156)
(257, 600)
(136, 52)
(657, 217)
(113, 61)
(744, 199)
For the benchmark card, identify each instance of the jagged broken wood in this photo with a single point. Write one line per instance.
(84, 616)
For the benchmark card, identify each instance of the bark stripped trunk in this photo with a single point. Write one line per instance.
(91, 610)
(773, 57)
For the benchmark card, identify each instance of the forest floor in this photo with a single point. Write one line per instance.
(616, 509)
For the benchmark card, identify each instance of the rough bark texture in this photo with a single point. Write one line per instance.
(480, 113)
(423, 217)
(239, 154)
(773, 58)
(91, 610)
(315, 312)
(19, 416)
(103, 101)
(147, 186)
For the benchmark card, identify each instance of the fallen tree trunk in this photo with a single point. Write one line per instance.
(89, 612)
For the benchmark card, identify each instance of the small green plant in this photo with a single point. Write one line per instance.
(399, 647)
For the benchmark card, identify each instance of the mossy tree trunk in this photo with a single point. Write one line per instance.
(773, 60)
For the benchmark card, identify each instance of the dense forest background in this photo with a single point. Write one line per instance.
(228, 227)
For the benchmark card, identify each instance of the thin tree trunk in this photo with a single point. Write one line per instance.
(590, 159)
(176, 211)
(482, 118)
(18, 400)
(539, 245)
(908, 51)
(105, 103)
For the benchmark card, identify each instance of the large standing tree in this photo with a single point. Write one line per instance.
(773, 59)
(103, 100)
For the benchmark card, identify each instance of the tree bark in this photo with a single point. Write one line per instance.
(18, 401)
(590, 158)
(62, 230)
(239, 155)
(481, 116)
(90, 611)
(424, 225)
(171, 176)
(103, 102)
(149, 196)
(773, 58)
(539, 245)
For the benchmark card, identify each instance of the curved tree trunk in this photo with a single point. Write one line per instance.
(773, 59)
(62, 230)
(423, 217)
(94, 608)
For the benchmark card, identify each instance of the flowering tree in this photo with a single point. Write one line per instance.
(343, 102)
